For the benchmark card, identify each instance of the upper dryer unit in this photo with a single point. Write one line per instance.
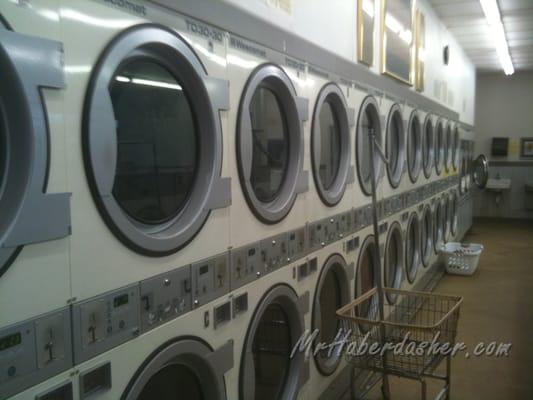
(34, 203)
(330, 201)
(267, 155)
(146, 105)
(146, 113)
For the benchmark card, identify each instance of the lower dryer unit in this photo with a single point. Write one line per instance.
(453, 207)
(426, 235)
(365, 279)
(439, 223)
(392, 243)
(269, 315)
(414, 230)
(189, 356)
(450, 206)
(366, 265)
(330, 289)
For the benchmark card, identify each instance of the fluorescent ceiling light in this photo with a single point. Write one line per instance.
(492, 13)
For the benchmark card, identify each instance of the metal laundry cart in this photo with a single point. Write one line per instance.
(409, 338)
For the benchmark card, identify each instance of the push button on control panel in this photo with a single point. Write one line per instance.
(165, 297)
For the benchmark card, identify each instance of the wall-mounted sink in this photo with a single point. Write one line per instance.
(498, 184)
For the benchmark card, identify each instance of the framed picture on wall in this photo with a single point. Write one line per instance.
(397, 21)
(526, 148)
(420, 50)
(365, 31)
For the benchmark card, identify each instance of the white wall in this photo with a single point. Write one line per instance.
(504, 108)
(332, 24)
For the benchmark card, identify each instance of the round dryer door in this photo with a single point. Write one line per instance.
(426, 236)
(270, 143)
(480, 171)
(394, 257)
(185, 368)
(414, 147)
(438, 234)
(28, 214)
(267, 369)
(448, 147)
(454, 205)
(440, 139)
(152, 140)
(446, 218)
(332, 292)
(455, 147)
(412, 247)
(368, 121)
(395, 146)
(330, 144)
(463, 167)
(366, 277)
(428, 149)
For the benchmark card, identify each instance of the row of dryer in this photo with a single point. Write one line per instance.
(152, 166)
(252, 342)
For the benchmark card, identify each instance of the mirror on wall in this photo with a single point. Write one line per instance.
(420, 50)
(365, 31)
(397, 39)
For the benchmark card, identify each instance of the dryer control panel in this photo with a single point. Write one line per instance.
(245, 265)
(104, 322)
(210, 279)
(297, 244)
(33, 351)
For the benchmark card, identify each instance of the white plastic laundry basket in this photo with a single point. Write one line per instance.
(461, 258)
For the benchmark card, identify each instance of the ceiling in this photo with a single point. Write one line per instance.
(466, 21)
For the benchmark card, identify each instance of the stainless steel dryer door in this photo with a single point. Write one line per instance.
(480, 171)
(29, 214)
